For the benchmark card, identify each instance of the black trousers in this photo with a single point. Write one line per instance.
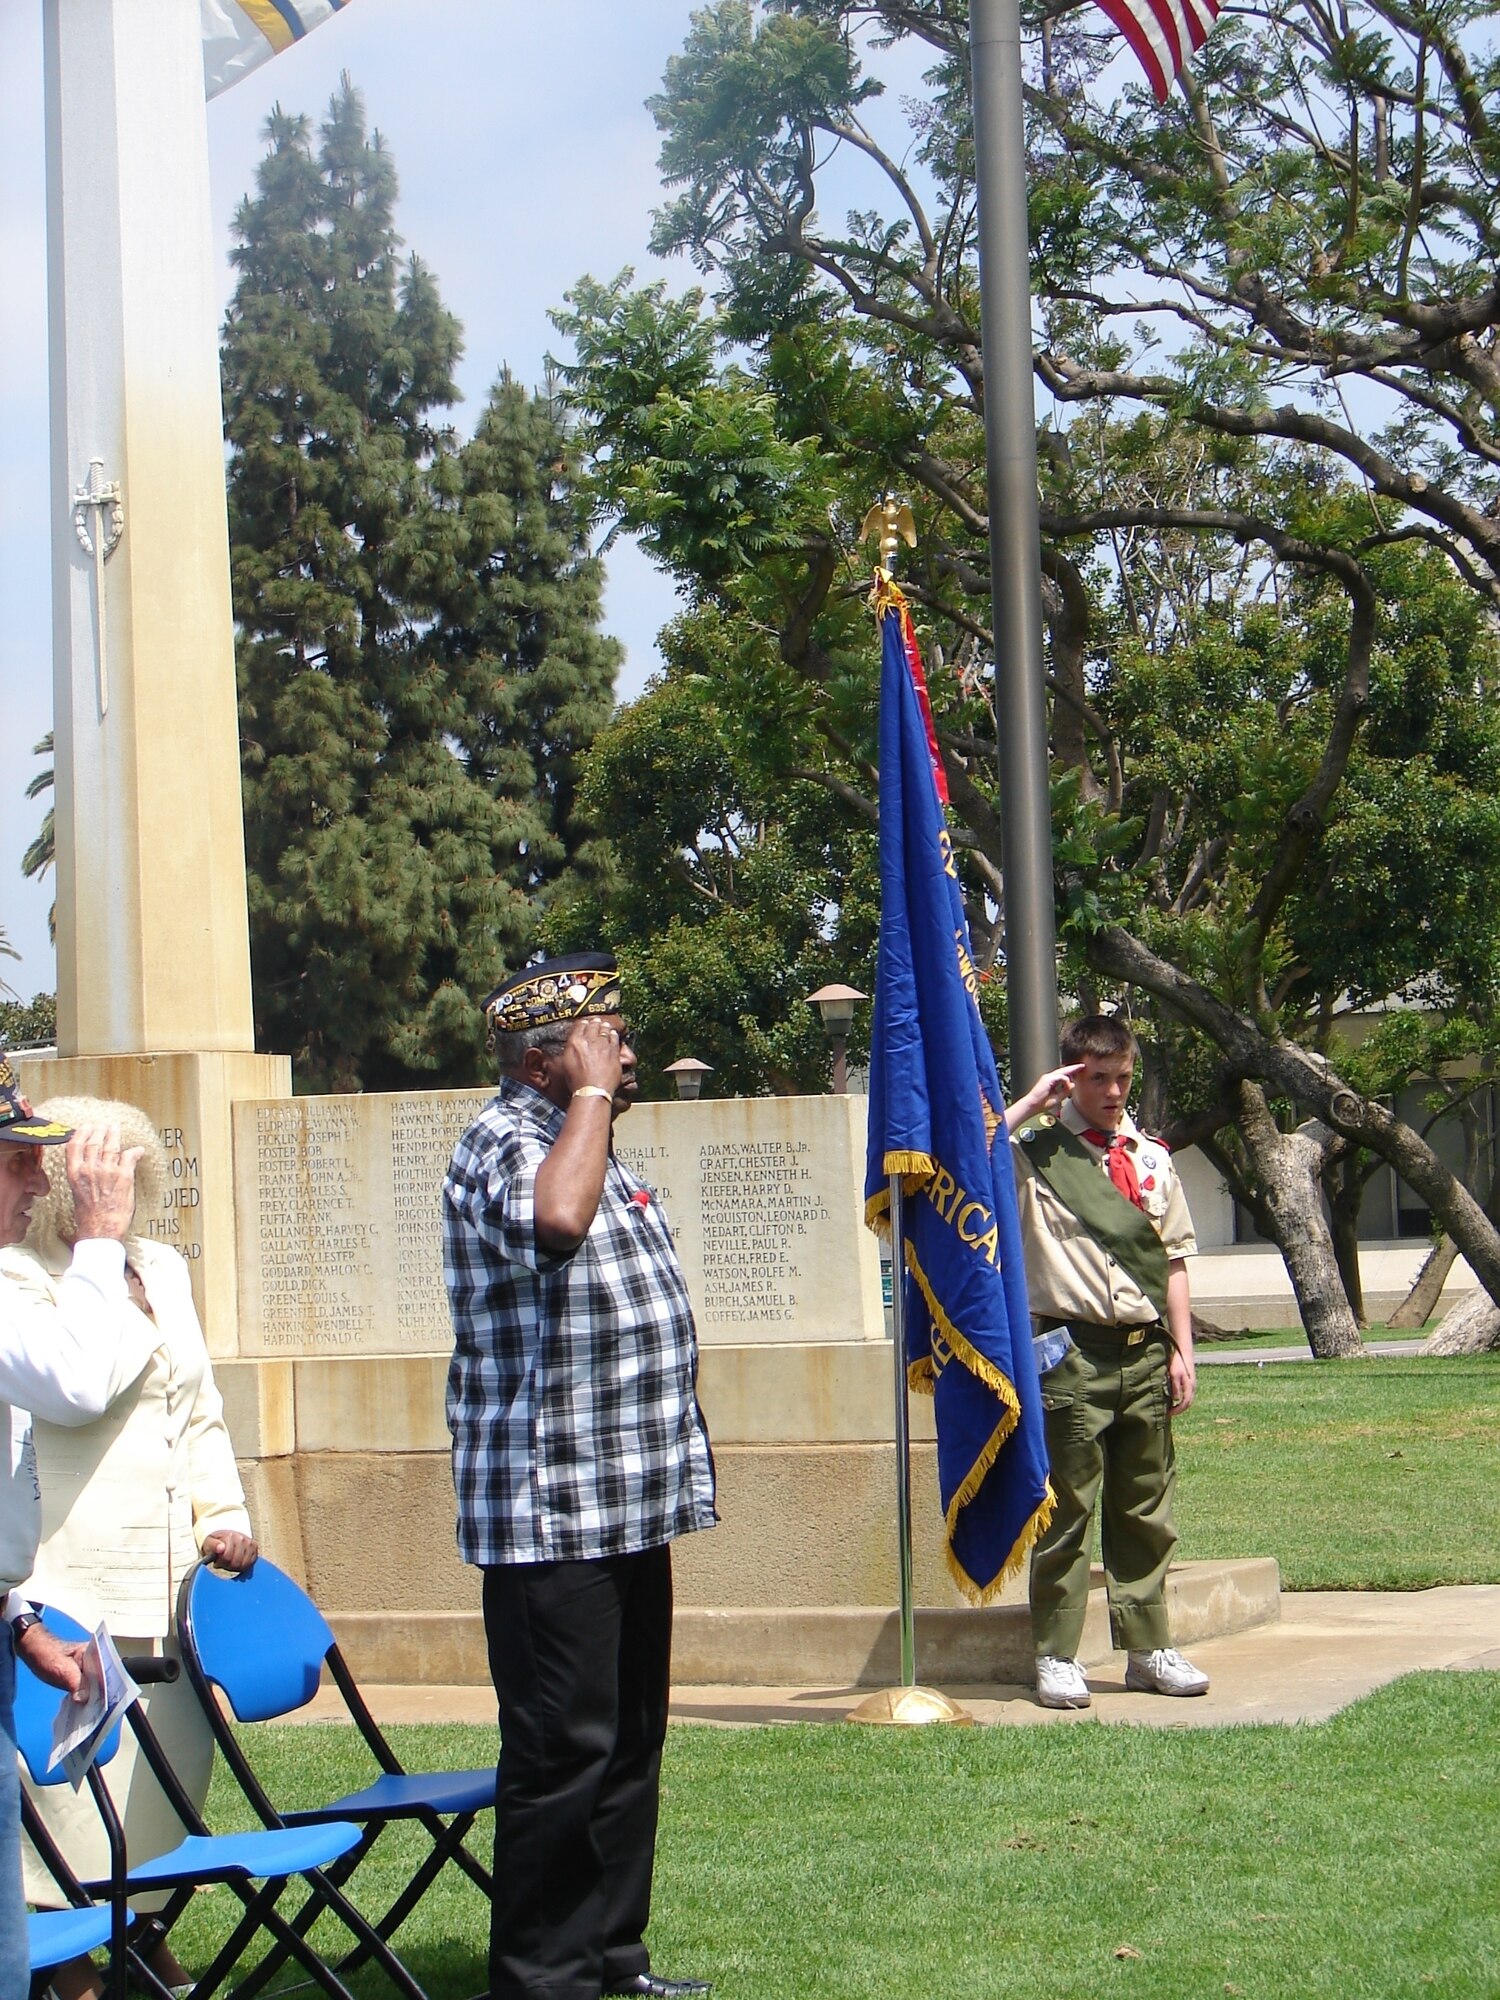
(580, 1654)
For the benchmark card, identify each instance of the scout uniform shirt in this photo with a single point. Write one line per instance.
(1068, 1274)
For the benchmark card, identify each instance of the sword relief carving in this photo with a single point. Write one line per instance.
(99, 537)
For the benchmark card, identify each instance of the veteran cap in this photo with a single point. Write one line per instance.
(555, 990)
(16, 1123)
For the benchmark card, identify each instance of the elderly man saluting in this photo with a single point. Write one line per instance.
(62, 1362)
(579, 1455)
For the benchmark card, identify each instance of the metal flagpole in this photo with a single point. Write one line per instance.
(908, 1704)
(903, 1437)
(1015, 540)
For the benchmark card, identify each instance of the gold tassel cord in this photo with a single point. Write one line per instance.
(886, 595)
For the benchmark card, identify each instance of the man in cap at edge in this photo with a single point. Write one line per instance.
(579, 1455)
(63, 1362)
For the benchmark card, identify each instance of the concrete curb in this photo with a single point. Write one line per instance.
(839, 1645)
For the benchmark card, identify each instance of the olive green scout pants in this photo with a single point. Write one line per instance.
(1108, 1422)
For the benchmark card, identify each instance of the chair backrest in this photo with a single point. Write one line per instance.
(37, 1705)
(257, 1636)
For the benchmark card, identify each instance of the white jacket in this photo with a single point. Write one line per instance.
(127, 1500)
(64, 1353)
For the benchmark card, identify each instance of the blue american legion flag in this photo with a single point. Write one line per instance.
(936, 1119)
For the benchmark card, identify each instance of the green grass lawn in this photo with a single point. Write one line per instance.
(1355, 1475)
(1356, 1859)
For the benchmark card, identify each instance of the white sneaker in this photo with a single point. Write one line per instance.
(1164, 1672)
(1060, 1683)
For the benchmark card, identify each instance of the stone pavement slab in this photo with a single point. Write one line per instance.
(1327, 1649)
(1242, 1357)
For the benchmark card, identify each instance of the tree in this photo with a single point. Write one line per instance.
(1219, 536)
(419, 658)
(728, 901)
(42, 851)
(28, 1024)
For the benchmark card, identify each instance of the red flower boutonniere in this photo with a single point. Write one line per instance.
(642, 1197)
(1148, 1183)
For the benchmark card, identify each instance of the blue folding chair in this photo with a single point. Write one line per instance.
(261, 1641)
(56, 1936)
(238, 1860)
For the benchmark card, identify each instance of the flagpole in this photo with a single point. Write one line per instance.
(903, 1438)
(1015, 538)
(907, 1705)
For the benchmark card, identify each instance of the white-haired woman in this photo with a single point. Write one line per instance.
(128, 1505)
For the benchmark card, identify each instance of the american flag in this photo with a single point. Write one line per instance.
(1163, 34)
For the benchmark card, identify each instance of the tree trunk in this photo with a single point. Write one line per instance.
(1288, 1169)
(1308, 1078)
(1473, 1327)
(1420, 1302)
(1345, 1196)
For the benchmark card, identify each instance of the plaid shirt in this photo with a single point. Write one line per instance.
(572, 1397)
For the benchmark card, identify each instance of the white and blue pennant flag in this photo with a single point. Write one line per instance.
(239, 35)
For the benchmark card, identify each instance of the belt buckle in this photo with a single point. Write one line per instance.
(1135, 1336)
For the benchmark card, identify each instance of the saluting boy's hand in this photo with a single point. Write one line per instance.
(1048, 1093)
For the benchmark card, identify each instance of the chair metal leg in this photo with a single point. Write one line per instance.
(261, 1914)
(443, 1850)
(364, 1931)
(304, 1920)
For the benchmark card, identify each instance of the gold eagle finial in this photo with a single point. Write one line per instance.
(892, 521)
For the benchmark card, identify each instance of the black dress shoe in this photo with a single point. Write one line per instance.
(653, 1987)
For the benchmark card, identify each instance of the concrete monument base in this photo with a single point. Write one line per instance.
(346, 1465)
(834, 1647)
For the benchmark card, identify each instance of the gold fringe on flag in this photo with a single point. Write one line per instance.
(915, 1170)
(922, 1377)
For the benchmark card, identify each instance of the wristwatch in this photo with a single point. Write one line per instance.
(23, 1622)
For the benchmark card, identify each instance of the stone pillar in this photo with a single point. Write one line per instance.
(152, 939)
(153, 951)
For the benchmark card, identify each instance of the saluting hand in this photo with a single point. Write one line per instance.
(593, 1054)
(101, 1173)
(1048, 1093)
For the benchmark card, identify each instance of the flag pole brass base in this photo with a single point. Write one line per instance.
(908, 1708)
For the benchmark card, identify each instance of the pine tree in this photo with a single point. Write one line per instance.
(418, 657)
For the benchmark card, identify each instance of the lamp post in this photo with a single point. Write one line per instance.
(688, 1074)
(836, 1005)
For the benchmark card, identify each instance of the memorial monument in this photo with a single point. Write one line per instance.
(311, 1225)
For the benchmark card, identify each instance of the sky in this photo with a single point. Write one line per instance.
(526, 159)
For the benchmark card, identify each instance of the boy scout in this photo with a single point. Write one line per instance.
(1106, 1232)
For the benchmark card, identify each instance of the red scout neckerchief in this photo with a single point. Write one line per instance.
(1115, 1148)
